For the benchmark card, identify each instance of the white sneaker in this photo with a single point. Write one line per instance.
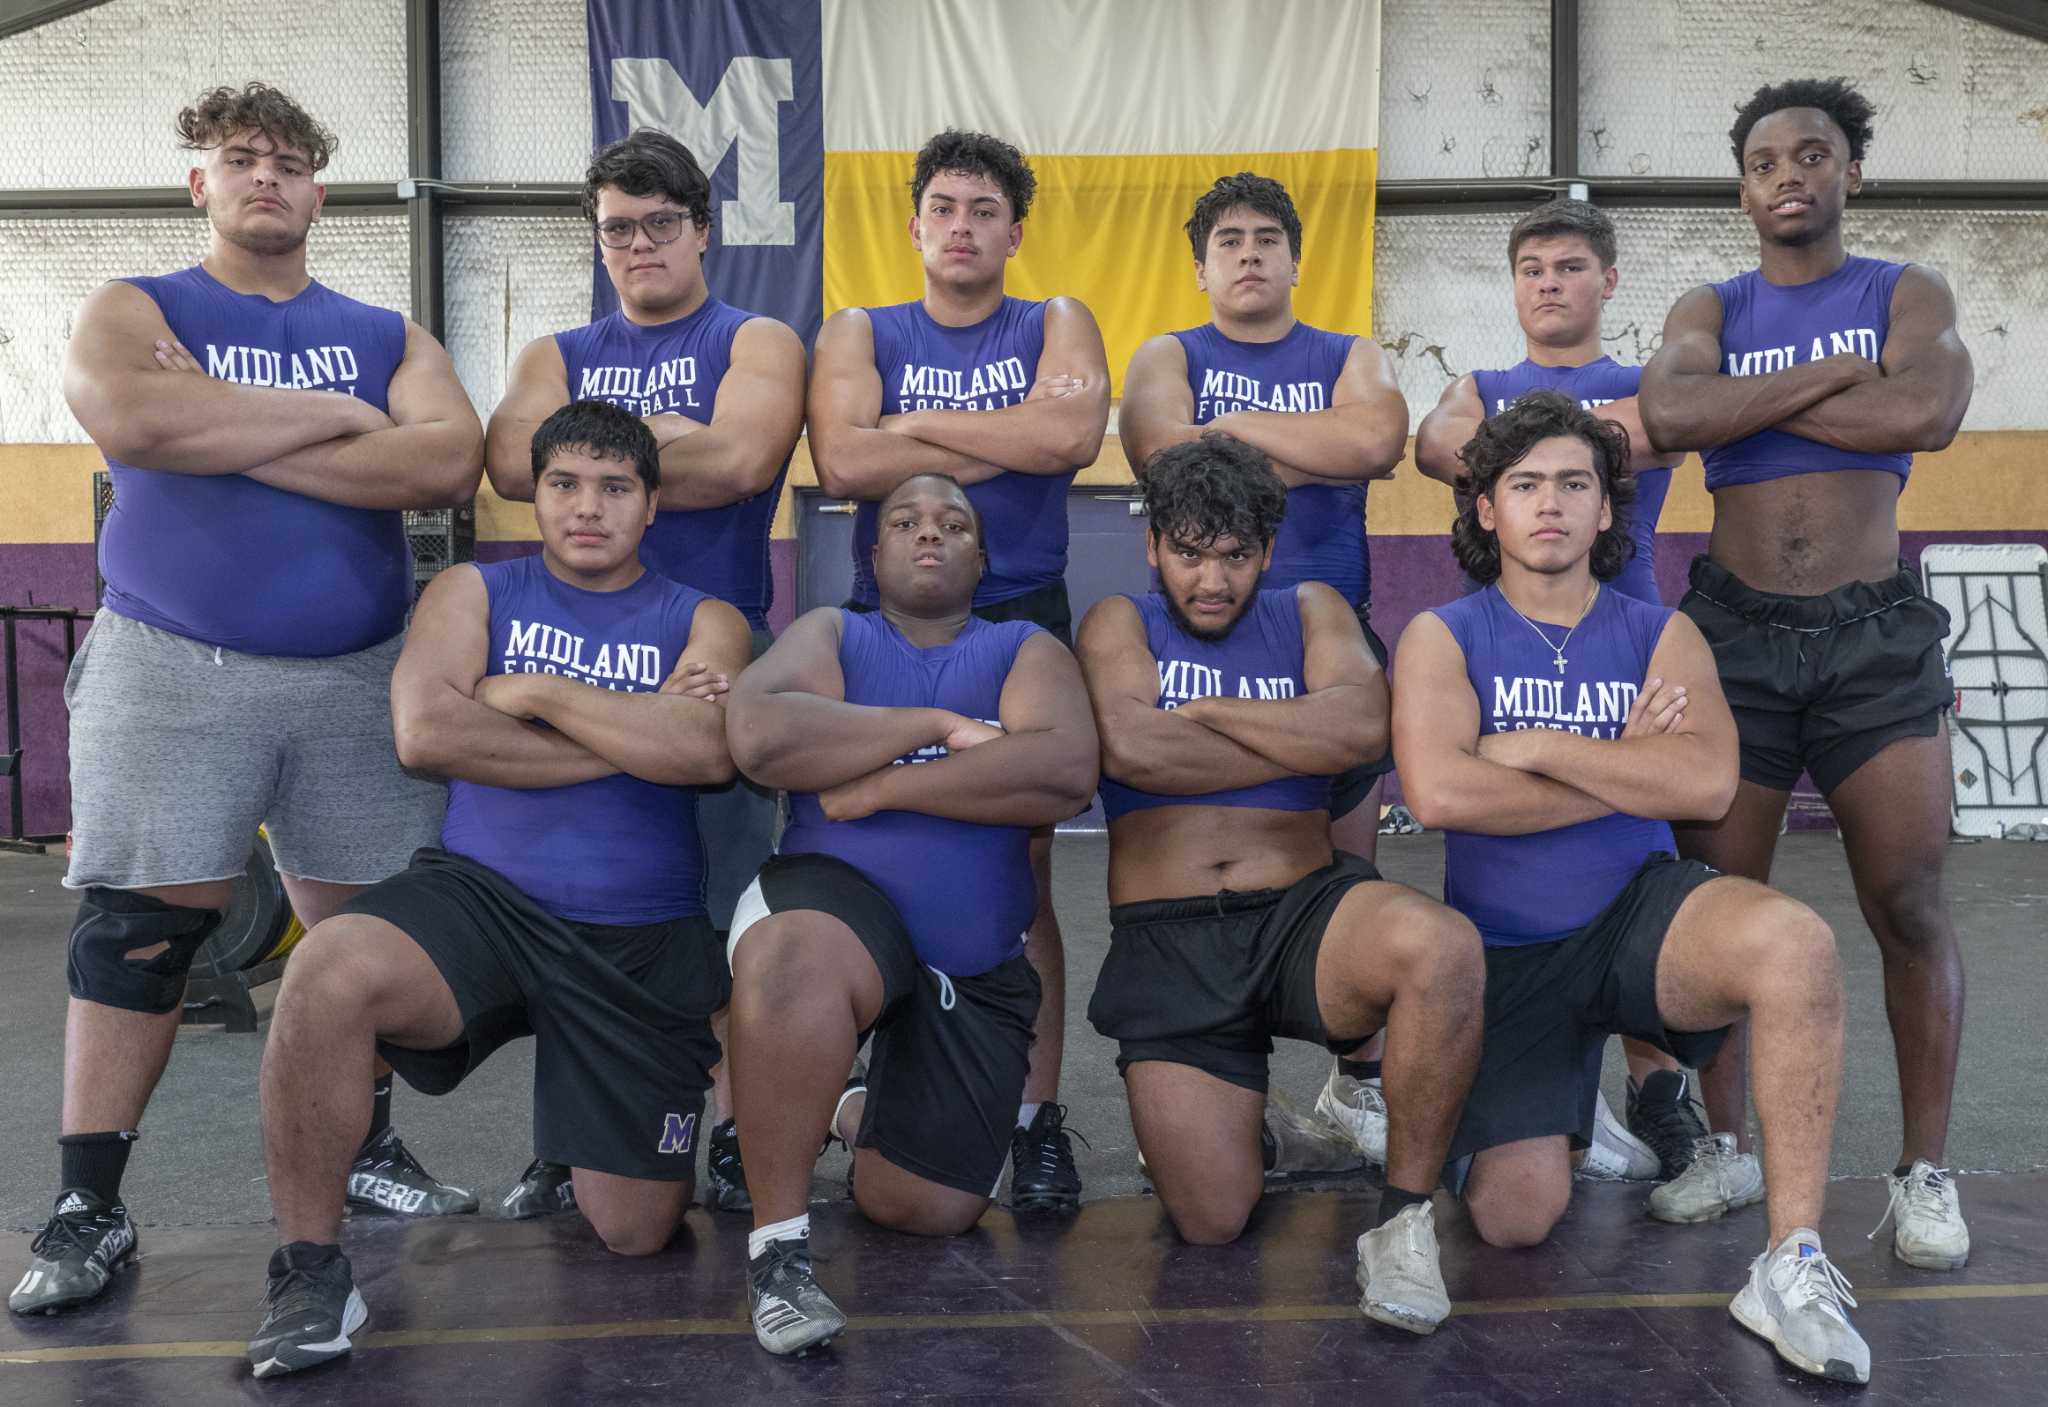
(1718, 1181)
(1616, 1155)
(1399, 1273)
(1360, 1109)
(1305, 1143)
(1800, 1301)
(1927, 1221)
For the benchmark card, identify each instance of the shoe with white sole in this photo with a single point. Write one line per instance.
(1798, 1300)
(310, 1307)
(1400, 1273)
(1616, 1155)
(1718, 1182)
(1927, 1220)
(1360, 1109)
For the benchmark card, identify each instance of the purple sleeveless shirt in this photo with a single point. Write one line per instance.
(1592, 386)
(1261, 658)
(964, 890)
(674, 368)
(225, 560)
(986, 366)
(617, 850)
(1768, 327)
(1322, 538)
(1545, 886)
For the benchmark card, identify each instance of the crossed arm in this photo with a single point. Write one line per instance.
(1360, 436)
(453, 720)
(1675, 759)
(1912, 399)
(1056, 429)
(1221, 744)
(791, 727)
(756, 416)
(1455, 419)
(145, 400)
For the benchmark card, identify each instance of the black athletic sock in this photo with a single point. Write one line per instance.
(1359, 1069)
(380, 1109)
(1900, 1171)
(95, 1162)
(304, 1255)
(1395, 1200)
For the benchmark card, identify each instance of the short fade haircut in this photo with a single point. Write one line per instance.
(978, 154)
(973, 512)
(1218, 486)
(224, 111)
(602, 431)
(1252, 191)
(647, 162)
(1845, 107)
(1504, 440)
(1564, 218)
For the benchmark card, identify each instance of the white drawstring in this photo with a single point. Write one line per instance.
(945, 988)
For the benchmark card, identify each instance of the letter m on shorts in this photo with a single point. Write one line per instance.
(677, 1133)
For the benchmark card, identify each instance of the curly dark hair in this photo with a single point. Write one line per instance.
(1217, 486)
(224, 111)
(978, 154)
(1565, 217)
(1504, 440)
(1845, 107)
(649, 162)
(603, 431)
(1253, 192)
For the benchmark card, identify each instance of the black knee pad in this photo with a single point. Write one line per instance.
(113, 923)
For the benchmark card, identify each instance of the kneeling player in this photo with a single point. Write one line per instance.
(1224, 713)
(572, 700)
(1553, 728)
(919, 744)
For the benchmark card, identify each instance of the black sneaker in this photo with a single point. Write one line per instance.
(1661, 1114)
(75, 1255)
(725, 1178)
(791, 1314)
(542, 1190)
(387, 1178)
(1043, 1177)
(309, 1309)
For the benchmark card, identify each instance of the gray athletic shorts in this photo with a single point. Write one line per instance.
(180, 750)
(738, 823)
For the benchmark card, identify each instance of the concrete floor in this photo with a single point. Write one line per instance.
(200, 1164)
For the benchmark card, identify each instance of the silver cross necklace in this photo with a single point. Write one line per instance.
(1558, 648)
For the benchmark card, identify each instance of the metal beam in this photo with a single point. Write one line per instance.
(133, 202)
(423, 146)
(1448, 197)
(2026, 17)
(17, 16)
(1564, 87)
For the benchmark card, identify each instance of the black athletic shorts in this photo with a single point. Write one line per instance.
(620, 1016)
(1822, 683)
(1209, 981)
(1045, 606)
(1348, 789)
(1550, 1008)
(946, 1070)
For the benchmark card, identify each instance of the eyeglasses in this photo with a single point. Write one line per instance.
(663, 227)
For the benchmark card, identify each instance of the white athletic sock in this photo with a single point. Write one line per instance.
(797, 1228)
(1025, 1114)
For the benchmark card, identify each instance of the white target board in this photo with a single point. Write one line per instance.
(1996, 595)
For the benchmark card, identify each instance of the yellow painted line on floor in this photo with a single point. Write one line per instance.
(1008, 1319)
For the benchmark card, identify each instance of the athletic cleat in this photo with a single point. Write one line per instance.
(308, 1314)
(387, 1178)
(1305, 1143)
(1043, 1177)
(725, 1177)
(1663, 1116)
(1719, 1181)
(791, 1314)
(1616, 1155)
(544, 1189)
(1399, 1273)
(1360, 1109)
(75, 1255)
(1927, 1221)
(1800, 1301)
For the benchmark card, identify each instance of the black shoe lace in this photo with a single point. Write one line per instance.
(1054, 1148)
(296, 1292)
(785, 1266)
(1671, 1129)
(80, 1233)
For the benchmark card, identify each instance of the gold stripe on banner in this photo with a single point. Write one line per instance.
(1107, 230)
